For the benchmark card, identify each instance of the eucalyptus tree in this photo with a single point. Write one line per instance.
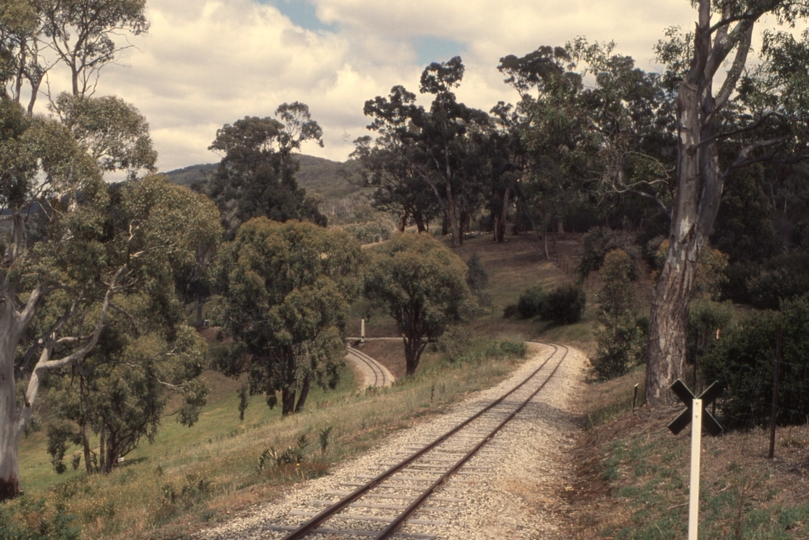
(256, 176)
(81, 34)
(422, 285)
(399, 187)
(112, 131)
(60, 284)
(286, 290)
(37, 35)
(435, 141)
(773, 100)
(145, 353)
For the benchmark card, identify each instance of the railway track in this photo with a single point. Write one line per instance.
(401, 501)
(380, 375)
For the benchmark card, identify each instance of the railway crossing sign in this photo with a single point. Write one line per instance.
(706, 398)
(695, 411)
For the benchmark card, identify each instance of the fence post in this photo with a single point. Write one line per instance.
(775, 393)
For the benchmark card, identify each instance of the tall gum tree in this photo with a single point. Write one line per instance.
(723, 34)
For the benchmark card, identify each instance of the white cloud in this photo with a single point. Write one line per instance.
(205, 63)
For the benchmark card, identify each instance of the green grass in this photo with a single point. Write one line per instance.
(190, 477)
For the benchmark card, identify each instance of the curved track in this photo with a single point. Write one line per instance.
(408, 484)
(381, 377)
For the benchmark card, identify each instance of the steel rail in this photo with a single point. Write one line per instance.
(379, 374)
(324, 515)
(396, 523)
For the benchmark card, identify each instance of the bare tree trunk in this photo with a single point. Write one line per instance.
(402, 222)
(9, 467)
(413, 349)
(10, 416)
(307, 382)
(103, 461)
(200, 304)
(85, 442)
(419, 219)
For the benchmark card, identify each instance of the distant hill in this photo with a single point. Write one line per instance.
(316, 174)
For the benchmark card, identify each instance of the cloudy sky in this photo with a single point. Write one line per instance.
(205, 63)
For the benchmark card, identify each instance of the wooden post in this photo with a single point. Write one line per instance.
(774, 411)
(696, 449)
(634, 396)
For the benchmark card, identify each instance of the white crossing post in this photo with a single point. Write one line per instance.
(696, 449)
(362, 331)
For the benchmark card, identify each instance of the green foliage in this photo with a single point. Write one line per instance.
(256, 176)
(563, 305)
(766, 284)
(743, 361)
(454, 342)
(292, 455)
(111, 131)
(243, 391)
(286, 288)
(530, 302)
(600, 241)
(476, 277)
(619, 337)
(36, 520)
(323, 438)
(744, 226)
(59, 435)
(370, 232)
(421, 284)
(144, 352)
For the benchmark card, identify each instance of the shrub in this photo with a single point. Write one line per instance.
(530, 302)
(510, 311)
(742, 361)
(476, 277)
(782, 278)
(565, 305)
(619, 335)
(454, 342)
(600, 241)
(765, 285)
(619, 348)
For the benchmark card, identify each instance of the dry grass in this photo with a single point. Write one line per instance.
(632, 476)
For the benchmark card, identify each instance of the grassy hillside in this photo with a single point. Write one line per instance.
(318, 175)
(190, 477)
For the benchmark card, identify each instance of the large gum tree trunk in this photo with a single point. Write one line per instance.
(9, 414)
(9, 468)
(699, 191)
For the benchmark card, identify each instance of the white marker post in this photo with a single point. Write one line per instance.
(362, 331)
(696, 450)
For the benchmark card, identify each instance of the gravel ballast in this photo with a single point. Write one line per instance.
(508, 491)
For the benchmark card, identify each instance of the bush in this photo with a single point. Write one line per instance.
(742, 361)
(765, 285)
(619, 335)
(530, 302)
(454, 342)
(600, 241)
(619, 348)
(476, 277)
(565, 305)
(510, 311)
